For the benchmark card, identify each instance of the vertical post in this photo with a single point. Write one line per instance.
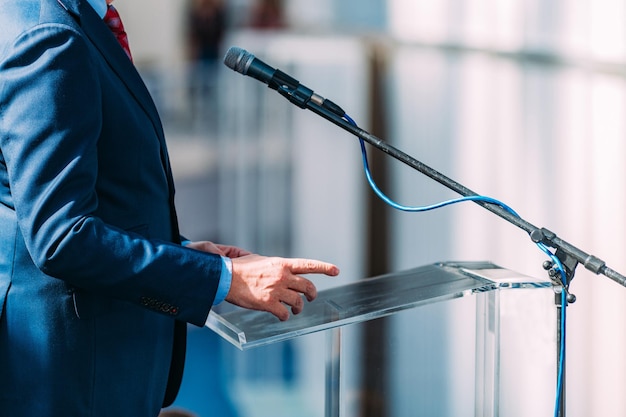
(333, 373)
(487, 354)
(560, 336)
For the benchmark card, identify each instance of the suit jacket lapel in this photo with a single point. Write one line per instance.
(97, 31)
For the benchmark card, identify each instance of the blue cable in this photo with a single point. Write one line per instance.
(555, 260)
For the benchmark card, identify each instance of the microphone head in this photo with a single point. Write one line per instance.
(238, 59)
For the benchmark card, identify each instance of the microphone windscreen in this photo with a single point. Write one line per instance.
(238, 59)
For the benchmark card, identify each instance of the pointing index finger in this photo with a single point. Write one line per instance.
(311, 266)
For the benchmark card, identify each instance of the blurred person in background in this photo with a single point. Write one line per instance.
(267, 14)
(97, 284)
(206, 24)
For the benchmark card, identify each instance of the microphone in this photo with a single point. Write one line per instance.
(243, 62)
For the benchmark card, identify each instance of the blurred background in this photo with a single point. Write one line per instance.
(523, 101)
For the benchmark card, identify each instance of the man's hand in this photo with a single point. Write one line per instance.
(268, 284)
(224, 250)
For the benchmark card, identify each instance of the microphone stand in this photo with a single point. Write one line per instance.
(569, 255)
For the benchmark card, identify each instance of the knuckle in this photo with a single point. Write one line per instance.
(277, 262)
(280, 267)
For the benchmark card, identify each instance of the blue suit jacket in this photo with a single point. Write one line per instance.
(92, 275)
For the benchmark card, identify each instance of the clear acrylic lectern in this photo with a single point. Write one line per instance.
(498, 293)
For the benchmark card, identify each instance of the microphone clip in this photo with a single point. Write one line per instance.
(291, 89)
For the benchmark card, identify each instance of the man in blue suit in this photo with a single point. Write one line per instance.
(95, 285)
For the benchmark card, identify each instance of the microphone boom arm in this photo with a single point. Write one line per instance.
(566, 252)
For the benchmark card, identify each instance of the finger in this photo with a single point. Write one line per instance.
(311, 266)
(233, 251)
(304, 286)
(279, 310)
(215, 249)
(294, 300)
(206, 246)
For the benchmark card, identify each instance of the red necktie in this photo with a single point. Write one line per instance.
(112, 19)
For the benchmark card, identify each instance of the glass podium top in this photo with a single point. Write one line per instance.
(367, 299)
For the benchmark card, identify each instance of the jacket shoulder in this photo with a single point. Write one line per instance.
(19, 16)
